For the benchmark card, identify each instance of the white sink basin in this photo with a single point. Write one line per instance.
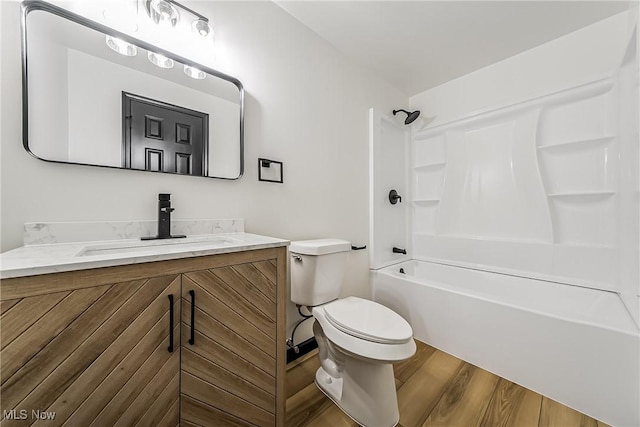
(154, 246)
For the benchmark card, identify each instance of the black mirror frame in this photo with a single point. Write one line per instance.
(28, 6)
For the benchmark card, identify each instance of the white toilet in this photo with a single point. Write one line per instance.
(358, 340)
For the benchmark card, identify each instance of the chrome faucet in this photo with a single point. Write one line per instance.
(164, 218)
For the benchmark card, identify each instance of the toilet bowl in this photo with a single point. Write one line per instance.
(358, 340)
(356, 358)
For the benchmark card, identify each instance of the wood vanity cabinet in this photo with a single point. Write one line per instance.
(94, 347)
(229, 344)
(93, 354)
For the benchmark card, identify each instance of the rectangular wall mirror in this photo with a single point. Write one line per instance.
(84, 103)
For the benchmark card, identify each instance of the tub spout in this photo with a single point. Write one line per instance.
(399, 251)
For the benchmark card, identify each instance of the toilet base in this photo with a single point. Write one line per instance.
(366, 393)
(331, 387)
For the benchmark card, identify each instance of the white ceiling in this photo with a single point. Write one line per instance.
(416, 45)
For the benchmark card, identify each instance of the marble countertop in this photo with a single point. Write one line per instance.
(38, 259)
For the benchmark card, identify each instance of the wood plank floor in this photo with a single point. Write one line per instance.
(435, 389)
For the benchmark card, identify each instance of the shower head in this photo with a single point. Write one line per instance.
(410, 116)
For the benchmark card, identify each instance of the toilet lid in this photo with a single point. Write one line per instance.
(368, 320)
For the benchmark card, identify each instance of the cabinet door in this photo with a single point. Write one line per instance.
(228, 371)
(92, 356)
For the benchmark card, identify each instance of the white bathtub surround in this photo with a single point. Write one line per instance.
(566, 204)
(389, 225)
(522, 199)
(38, 233)
(533, 188)
(81, 246)
(576, 345)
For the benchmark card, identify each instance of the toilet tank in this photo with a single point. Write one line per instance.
(317, 269)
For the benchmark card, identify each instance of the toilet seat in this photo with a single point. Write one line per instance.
(368, 320)
(345, 339)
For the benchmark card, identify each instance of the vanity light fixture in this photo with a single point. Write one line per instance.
(121, 46)
(194, 73)
(160, 60)
(201, 27)
(165, 12)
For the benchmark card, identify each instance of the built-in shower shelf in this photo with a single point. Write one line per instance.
(579, 143)
(484, 240)
(428, 166)
(425, 201)
(594, 246)
(583, 194)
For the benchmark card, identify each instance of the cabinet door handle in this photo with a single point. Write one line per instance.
(192, 340)
(170, 323)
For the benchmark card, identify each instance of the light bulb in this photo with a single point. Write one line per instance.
(160, 60)
(121, 46)
(201, 27)
(163, 13)
(194, 73)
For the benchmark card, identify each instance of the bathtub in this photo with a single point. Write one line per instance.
(576, 345)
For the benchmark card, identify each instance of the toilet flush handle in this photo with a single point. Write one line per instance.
(297, 258)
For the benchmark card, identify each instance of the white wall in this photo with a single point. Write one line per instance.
(306, 105)
(582, 56)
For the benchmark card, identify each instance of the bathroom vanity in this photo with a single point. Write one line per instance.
(156, 334)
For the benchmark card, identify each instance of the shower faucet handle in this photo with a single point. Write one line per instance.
(394, 197)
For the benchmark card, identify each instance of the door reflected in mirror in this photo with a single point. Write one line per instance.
(160, 137)
(109, 100)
